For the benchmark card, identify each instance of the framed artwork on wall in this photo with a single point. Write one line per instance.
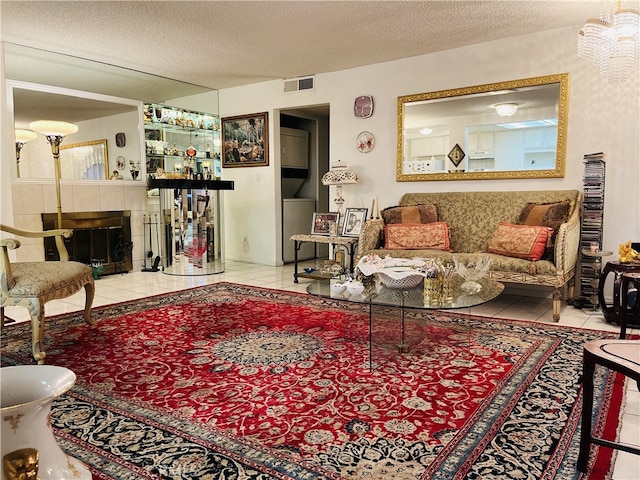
(354, 219)
(325, 223)
(245, 140)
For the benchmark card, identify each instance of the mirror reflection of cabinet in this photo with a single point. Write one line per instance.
(181, 142)
(480, 142)
(540, 138)
(429, 146)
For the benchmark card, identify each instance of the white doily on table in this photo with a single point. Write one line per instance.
(396, 268)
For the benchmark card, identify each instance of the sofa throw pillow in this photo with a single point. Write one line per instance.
(427, 213)
(519, 241)
(545, 214)
(412, 236)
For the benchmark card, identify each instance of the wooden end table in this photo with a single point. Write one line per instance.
(347, 242)
(612, 312)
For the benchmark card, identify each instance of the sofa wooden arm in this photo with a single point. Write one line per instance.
(59, 234)
(568, 243)
(371, 237)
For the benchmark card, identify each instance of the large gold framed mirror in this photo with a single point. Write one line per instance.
(504, 130)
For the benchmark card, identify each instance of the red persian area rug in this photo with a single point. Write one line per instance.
(236, 382)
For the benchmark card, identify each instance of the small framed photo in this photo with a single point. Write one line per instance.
(354, 219)
(325, 224)
(245, 140)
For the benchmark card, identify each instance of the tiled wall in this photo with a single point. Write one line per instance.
(30, 199)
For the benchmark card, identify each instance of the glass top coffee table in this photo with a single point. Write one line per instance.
(407, 298)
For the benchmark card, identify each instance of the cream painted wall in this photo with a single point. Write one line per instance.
(601, 118)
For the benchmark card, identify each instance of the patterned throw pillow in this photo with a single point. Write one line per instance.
(519, 241)
(412, 236)
(410, 214)
(545, 214)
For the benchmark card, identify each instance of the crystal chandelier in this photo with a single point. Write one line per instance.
(611, 43)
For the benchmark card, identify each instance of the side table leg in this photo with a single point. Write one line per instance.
(617, 285)
(588, 367)
(296, 247)
(352, 248)
(371, 364)
(607, 310)
(624, 308)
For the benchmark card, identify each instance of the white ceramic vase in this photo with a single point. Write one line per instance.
(27, 393)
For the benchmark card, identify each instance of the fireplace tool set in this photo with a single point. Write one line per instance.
(149, 252)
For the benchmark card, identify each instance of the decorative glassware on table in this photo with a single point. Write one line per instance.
(472, 271)
(354, 287)
(396, 273)
(445, 276)
(409, 280)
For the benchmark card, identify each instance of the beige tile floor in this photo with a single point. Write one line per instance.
(516, 303)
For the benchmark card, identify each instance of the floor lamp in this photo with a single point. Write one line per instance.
(55, 132)
(22, 137)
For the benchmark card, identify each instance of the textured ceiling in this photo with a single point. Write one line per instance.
(220, 44)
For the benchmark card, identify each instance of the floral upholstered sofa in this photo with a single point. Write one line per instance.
(531, 236)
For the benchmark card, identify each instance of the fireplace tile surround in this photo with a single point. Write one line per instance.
(31, 199)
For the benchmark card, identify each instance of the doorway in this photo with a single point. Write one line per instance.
(301, 191)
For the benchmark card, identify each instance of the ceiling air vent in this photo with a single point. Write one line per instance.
(298, 84)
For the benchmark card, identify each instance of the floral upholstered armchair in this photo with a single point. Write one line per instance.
(32, 284)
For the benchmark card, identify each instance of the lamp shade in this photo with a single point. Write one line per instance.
(53, 127)
(24, 136)
(339, 174)
(506, 109)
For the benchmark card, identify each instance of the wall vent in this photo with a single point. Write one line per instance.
(298, 84)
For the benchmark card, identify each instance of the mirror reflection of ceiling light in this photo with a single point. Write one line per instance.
(425, 131)
(506, 109)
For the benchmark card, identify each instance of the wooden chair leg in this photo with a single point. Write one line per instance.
(557, 303)
(571, 290)
(36, 312)
(89, 290)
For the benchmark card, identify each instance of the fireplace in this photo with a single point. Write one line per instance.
(102, 238)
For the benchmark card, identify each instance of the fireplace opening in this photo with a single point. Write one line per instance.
(99, 238)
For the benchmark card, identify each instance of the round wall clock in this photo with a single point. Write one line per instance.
(365, 142)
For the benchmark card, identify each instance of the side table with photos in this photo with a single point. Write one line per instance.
(349, 243)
